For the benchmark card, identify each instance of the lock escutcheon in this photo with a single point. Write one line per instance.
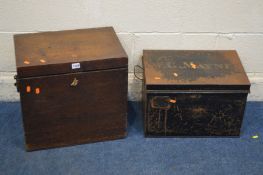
(75, 82)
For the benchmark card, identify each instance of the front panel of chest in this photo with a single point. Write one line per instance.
(194, 114)
(74, 108)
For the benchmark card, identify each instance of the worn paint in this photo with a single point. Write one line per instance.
(210, 115)
(210, 92)
(193, 67)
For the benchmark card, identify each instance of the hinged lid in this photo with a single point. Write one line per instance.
(49, 53)
(194, 70)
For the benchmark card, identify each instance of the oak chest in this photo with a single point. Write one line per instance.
(73, 87)
(193, 93)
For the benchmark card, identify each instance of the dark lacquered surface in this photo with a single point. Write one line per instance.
(193, 93)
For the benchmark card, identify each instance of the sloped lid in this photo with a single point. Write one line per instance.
(192, 69)
(58, 52)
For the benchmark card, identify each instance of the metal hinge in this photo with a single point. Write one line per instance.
(16, 83)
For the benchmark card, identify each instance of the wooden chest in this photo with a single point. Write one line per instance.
(73, 87)
(193, 93)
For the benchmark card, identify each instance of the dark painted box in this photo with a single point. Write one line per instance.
(73, 87)
(193, 93)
